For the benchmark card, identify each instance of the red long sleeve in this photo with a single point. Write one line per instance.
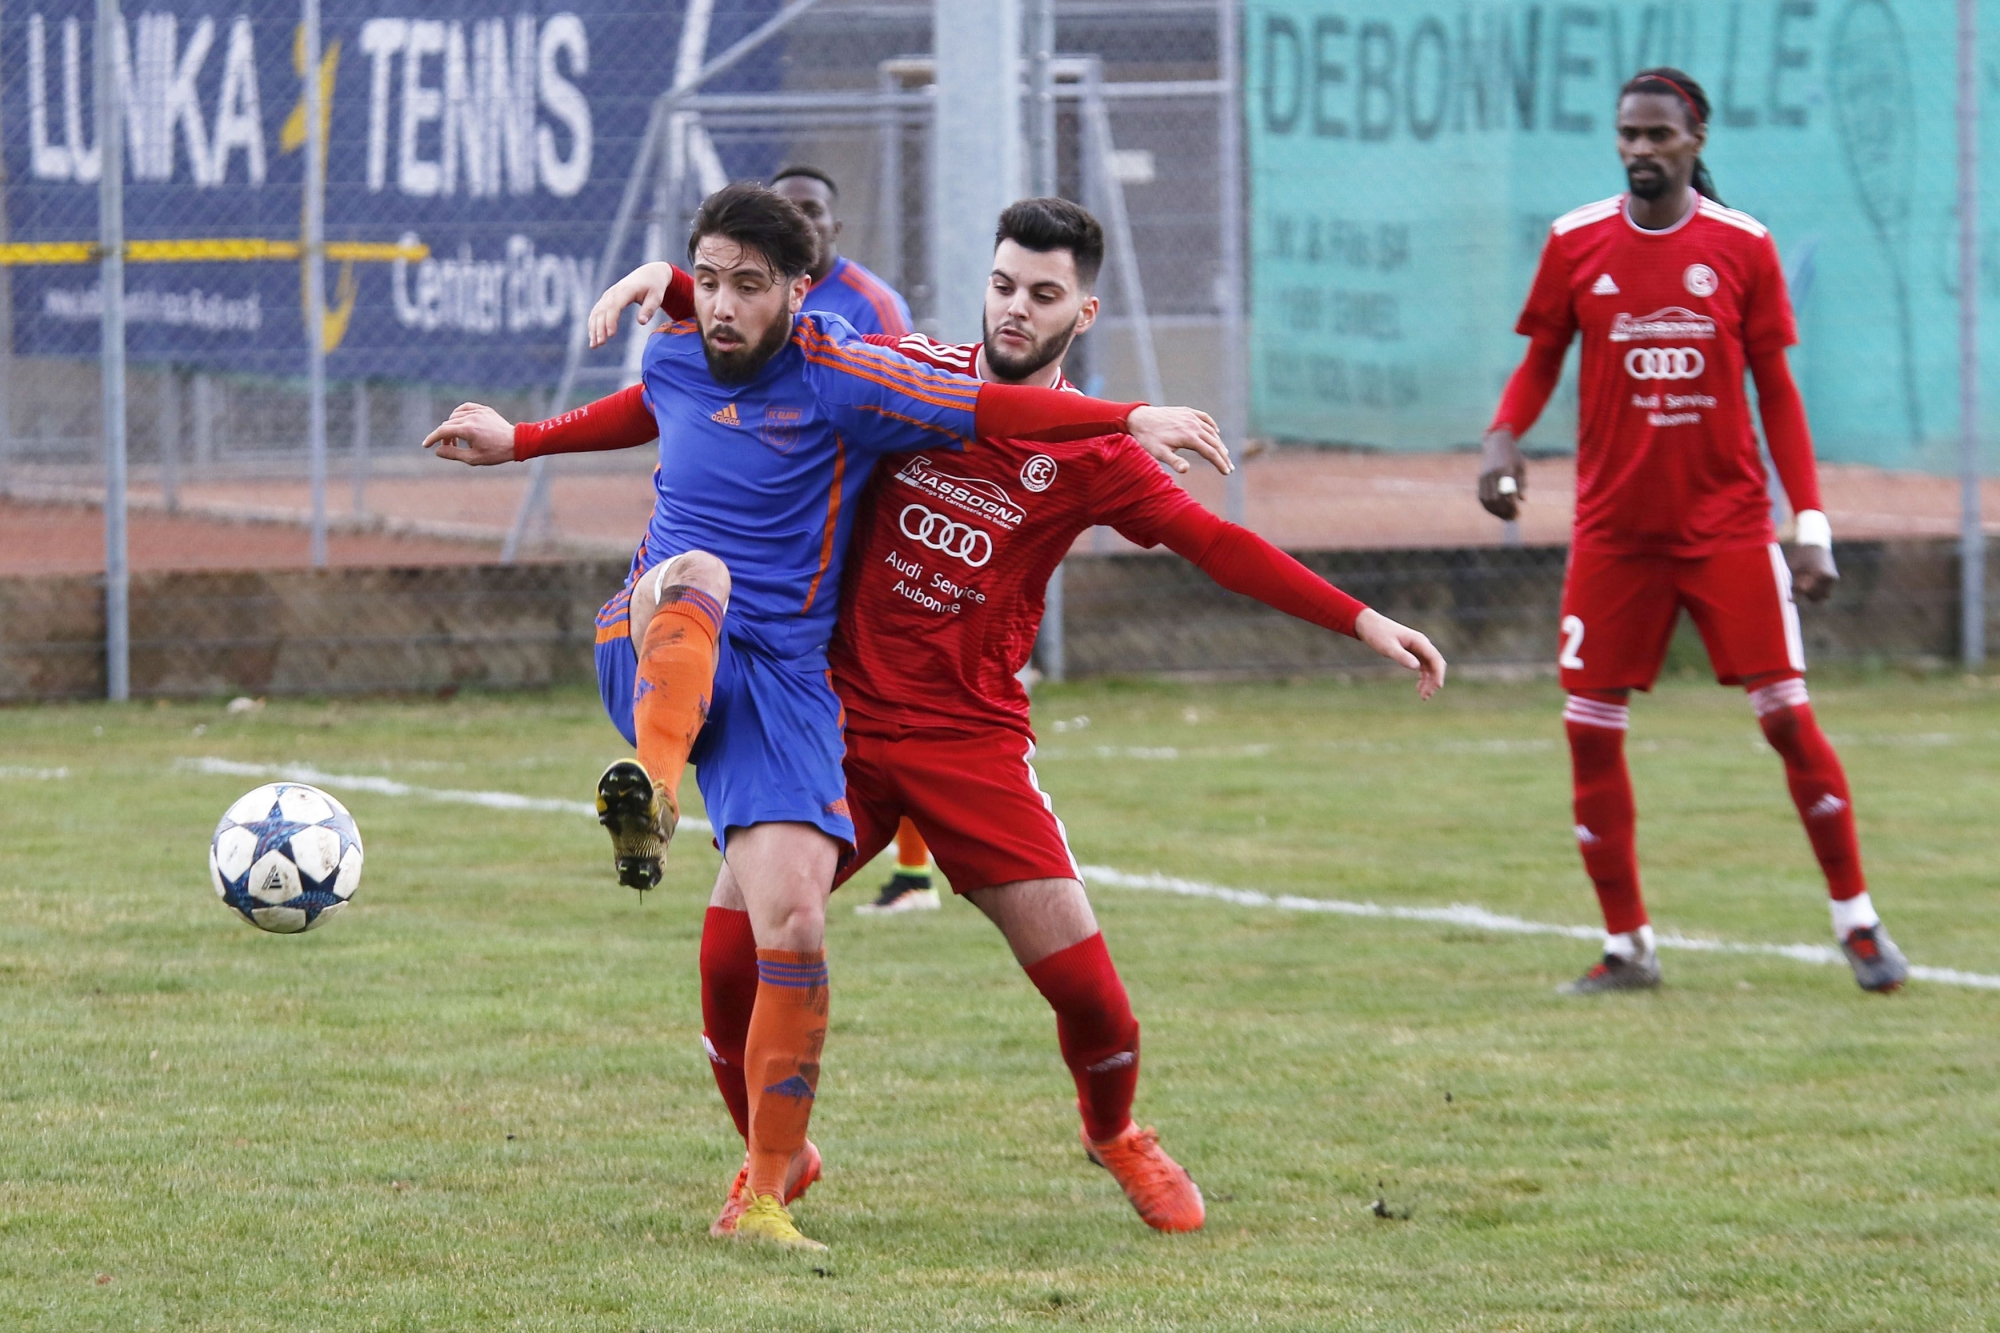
(1243, 562)
(1785, 428)
(678, 302)
(1018, 412)
(1529, 387)
(621, 421)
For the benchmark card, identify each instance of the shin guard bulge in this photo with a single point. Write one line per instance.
(1817, 781)
(781, 1061)
(1606, 822)
(676, 676)
(1096, 1030)
(728, 998)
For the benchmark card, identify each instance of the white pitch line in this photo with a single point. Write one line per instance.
(492, 800)
(1458, 914)
(1478, 918)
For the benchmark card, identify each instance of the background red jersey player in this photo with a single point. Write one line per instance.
(951, 558)
(1674, 296)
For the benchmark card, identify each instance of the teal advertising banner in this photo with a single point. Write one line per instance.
(1407, 159)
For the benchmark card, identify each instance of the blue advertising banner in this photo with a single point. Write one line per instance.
(1407, 160)
(476, 155)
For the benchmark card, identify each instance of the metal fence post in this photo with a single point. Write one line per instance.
(361, 428)
(1229, 141)
(111, 353)
(1972, 532)
(1042, 166)
(315, 275)
(170, 439)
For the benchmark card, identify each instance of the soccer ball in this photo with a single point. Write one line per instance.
(285, 857)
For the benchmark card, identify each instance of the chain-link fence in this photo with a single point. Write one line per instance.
(486, 167)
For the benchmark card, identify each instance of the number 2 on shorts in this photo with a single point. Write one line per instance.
(1567, 659)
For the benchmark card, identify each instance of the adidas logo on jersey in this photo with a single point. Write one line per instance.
(727, 416)
(1604, 286)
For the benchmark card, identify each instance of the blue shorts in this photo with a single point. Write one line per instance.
(771, 749)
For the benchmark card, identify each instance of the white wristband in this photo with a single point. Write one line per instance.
(1813, 529)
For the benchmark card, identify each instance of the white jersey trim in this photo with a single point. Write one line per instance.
(1733, 217)
(949, 353)
(1589, 213)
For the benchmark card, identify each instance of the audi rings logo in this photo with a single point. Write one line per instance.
(962, 540)
(1664, 363)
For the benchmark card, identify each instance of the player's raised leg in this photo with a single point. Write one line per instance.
(1053, 933)
(677, 612)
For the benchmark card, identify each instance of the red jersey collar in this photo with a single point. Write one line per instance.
(1625, 211)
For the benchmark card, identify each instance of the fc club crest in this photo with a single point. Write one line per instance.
(781, 428)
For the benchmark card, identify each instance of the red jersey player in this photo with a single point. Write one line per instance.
(1674, 296)
(951, 556)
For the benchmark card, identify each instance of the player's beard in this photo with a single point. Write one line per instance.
(1041, 355)
(743, 364)
(1649, 185)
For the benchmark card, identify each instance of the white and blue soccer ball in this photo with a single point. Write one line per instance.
(285, 857)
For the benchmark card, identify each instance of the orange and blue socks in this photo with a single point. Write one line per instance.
(1606, 820)
(781, 1061)
(728, 998)
(1819, 789)
(1096, 1030)
(676, 677)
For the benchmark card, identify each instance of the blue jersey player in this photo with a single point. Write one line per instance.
(840, 286)
(769, 422)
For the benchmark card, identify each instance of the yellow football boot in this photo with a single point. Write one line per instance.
(766, 1222)
(641, 824)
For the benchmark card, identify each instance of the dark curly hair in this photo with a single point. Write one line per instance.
(757, 218)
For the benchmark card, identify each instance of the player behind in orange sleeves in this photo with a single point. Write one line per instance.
(1674, 295)
(940, 609)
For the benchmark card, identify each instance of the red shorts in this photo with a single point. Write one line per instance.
(973, 796)
(1618, 615)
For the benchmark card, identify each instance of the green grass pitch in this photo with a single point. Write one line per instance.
(477, 1101)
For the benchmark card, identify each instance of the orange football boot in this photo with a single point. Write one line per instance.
(805, 1170)
(1166, 1197)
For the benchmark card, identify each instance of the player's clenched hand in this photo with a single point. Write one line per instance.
(1813, 574)
(645, 286)
(1405, 647)
(1500, 460)
(474, 433)
(1161, 431)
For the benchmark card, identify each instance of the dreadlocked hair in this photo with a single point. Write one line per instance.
(1677, 84)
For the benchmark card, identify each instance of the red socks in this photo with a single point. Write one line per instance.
(1819, 786)
(728, 997)
(1605, 820)
(1099, 1036)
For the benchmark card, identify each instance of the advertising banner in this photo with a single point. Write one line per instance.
(477, 151)
(1407, 161)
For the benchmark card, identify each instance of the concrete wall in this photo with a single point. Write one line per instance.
(339, 631)
(527, 626)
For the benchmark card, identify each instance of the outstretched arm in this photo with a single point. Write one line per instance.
(1785, 430)
(474, 433)
(1243, 562)
(1527, 393)
(654, 288)
(1018, 412)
